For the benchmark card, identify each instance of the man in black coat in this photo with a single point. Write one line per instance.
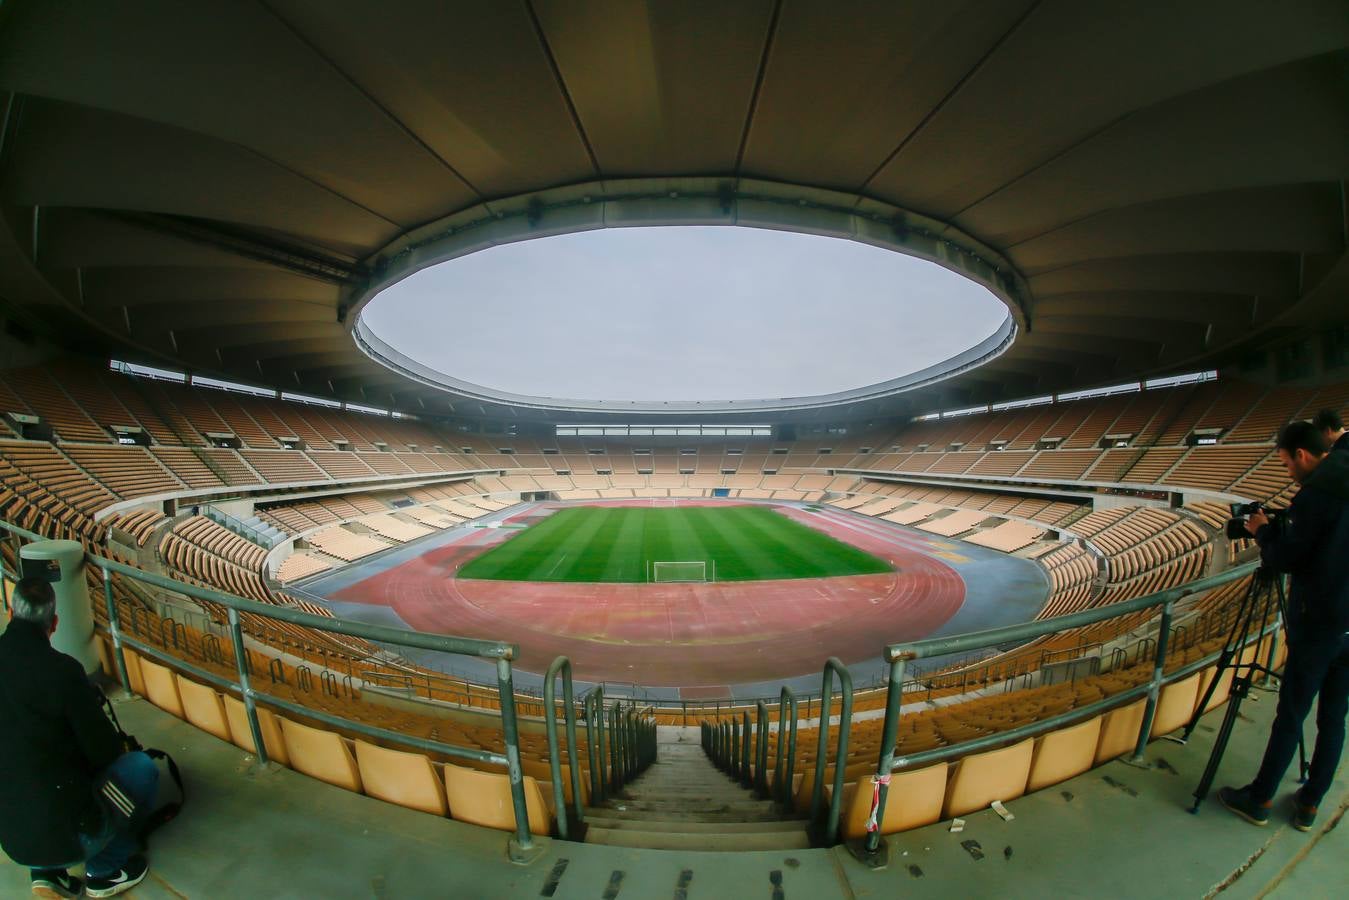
(1312, 546)
(1332, 429)
(69, 793)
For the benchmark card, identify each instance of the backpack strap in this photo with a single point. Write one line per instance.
(168, 811)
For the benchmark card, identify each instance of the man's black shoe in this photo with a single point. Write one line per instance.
(1304, 815)
(1240, 801)
(55, 883)
(132, 874)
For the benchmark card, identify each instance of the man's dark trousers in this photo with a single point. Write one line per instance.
(1316, 664)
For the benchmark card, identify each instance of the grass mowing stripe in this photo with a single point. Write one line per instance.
(828, 551)
(783, 548)
(525, 552)
(685, 535)
(789, 557)
(543, 555)
(560, 550)
(803, 559)
(620, 563)
(739, 559)
(592, 556)
(615, 544)
(659, 543)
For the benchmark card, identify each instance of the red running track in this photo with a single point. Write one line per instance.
(678, 635)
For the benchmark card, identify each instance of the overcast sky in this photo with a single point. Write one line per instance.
(683, 313)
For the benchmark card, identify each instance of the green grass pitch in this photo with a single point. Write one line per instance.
(614, 544)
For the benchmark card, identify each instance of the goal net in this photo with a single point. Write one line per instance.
(666, 571)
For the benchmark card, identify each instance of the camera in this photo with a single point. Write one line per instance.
(1236, 526)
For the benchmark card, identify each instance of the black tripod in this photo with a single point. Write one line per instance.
(1264, 597)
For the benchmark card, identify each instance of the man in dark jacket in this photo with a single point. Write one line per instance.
(69, 794)
(1312, 546)
(1332, 429)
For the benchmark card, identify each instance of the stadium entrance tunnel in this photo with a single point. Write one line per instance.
(816, 300)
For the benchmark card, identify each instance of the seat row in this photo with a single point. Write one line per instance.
(398, 776)
(945, 790)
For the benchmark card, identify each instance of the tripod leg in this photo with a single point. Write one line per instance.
(1234, 644)
(1224, 661)
(1240, 685)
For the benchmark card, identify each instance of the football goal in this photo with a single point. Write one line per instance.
(670, 571)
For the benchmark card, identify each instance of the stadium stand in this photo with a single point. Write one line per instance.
(346, 545)
(1125, 185)
(1103, 556)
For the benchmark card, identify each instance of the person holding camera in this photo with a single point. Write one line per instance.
(1310, 542)
(1332, 429)
(70, 792)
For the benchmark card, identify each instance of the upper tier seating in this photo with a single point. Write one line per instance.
(45, 465)
(83, 401)
(1063, 442)
(42, 395)
(127, 471)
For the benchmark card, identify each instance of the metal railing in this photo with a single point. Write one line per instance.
(899, 655)
(631, 752)
(828, 830)
(595, 747)
(562, 665)
(522, 846)
(620, 741)
(741, 749)
(241, 528)
(782, 778)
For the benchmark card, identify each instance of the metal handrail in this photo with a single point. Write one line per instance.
(783, 785)
(595, 737)
(632, 763)
(738, 725)
(403, 637)
(522, 846)
(647, 749)
(992, 637)
(616, 755)
(562, 665)
(761, 750)
(728, 746)
(832, 666)
(745, 742)
(900, 654)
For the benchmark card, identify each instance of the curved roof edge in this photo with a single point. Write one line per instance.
(690, 201)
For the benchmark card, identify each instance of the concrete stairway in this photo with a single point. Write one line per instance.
(683, 802)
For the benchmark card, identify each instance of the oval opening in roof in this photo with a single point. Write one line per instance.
(682, 313)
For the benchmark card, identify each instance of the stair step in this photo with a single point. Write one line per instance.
(674, 840)
(684, 802)
(738, 801)
(687, 815)
(600, 819)
(690, 803)
(689, 790)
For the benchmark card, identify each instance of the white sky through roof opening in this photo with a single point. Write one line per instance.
(683, 313)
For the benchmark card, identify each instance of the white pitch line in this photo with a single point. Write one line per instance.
(555, 565)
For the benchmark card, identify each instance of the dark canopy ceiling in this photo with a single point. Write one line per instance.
(212, 183)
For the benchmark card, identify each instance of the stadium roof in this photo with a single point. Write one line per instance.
(1150, 187)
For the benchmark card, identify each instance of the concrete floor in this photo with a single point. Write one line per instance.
(1117, 831)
